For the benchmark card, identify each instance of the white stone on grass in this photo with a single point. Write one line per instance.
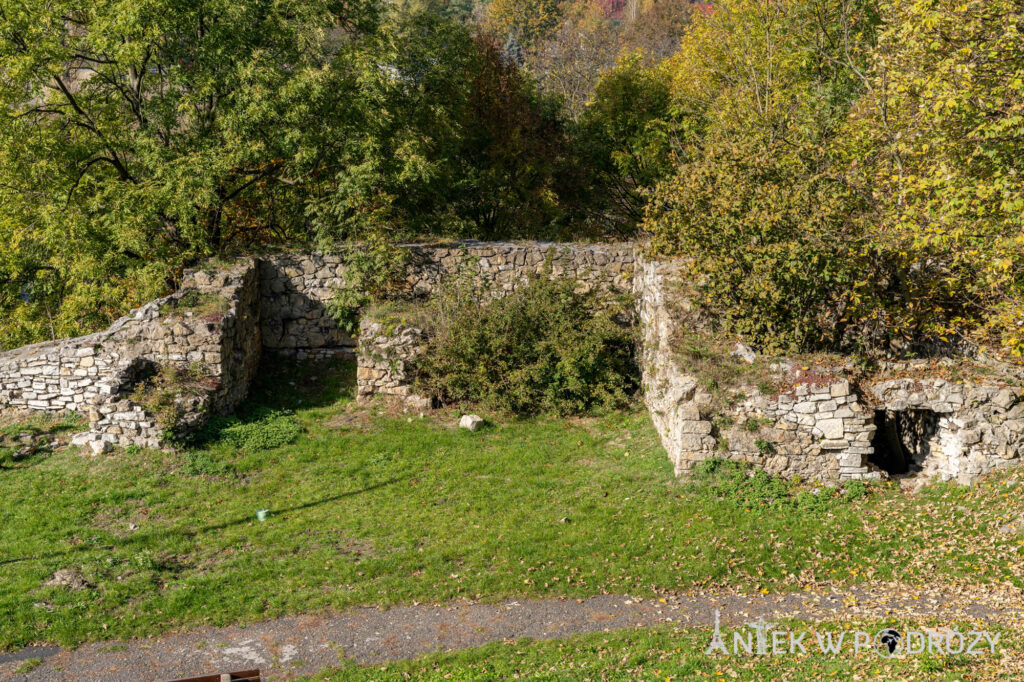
(471, 422)
(99, 446)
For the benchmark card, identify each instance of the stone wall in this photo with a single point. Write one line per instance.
(386, 349)
(963, 430)
(818, 426)
(817, 430)
(216, 326)
(385, 361)
(814, 422)
(501, 267)
(672, 395)
(294, 291)
(209, 328)
(295, 288)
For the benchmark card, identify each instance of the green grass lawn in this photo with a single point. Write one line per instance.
(373, 507)
(672, 653)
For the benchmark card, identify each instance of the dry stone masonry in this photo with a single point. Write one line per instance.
(955, 431)
(208, 329)
(818, 430)
(295, 288)
(818, 425)
(385, 360)
(387, 349)
(215, 328)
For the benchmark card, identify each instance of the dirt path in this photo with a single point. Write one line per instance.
(303, 645)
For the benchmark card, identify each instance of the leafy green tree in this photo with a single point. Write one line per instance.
(758, 200)
(137, 140)
(462, 144)
(139, 137)
(624, 133)
(938, 141)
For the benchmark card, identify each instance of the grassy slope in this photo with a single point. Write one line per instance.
(375, 509)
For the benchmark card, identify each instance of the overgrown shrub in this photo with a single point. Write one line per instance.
(261, 430)
(374, 270)
(169, 394)
(757, 201)
(544, 347)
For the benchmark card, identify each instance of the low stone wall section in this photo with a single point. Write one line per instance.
(386, 361)
(296, 288)
(974, 428)
(818, 427)
(96, 374)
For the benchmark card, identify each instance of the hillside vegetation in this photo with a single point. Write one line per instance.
(844, 174)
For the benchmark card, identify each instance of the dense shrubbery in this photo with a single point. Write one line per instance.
(758, 197)
(937, 141)
(542, 348)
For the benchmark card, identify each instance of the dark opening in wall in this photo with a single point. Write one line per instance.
(902, 439)
(138, 371)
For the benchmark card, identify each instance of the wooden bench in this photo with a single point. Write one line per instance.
(244, 676)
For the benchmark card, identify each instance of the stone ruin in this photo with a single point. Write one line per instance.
(214, 342)
(387, 353)
(825, 423)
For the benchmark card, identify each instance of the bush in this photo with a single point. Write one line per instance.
(543, 348)
(261, 430)
(374, 270)
(169, 394)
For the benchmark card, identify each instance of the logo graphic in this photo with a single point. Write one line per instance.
(888, 642)
(717, 643)
(763, 638)
(761, 628)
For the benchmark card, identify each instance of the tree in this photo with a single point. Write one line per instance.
(937, 139)
(758, 199)
(656, 27)
(528, 20)
(569, 62)
(466, 147)
(135, 139)
(512, 153)
(624, 135)
(594, 35)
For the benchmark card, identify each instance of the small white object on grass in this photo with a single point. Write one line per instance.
(99, 446)
(471, 422)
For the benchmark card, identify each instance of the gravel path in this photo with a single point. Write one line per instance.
(289, 647)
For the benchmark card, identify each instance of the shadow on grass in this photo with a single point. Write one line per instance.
(266, 419)
(26, 442)
(144, 538)
(291, 384)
